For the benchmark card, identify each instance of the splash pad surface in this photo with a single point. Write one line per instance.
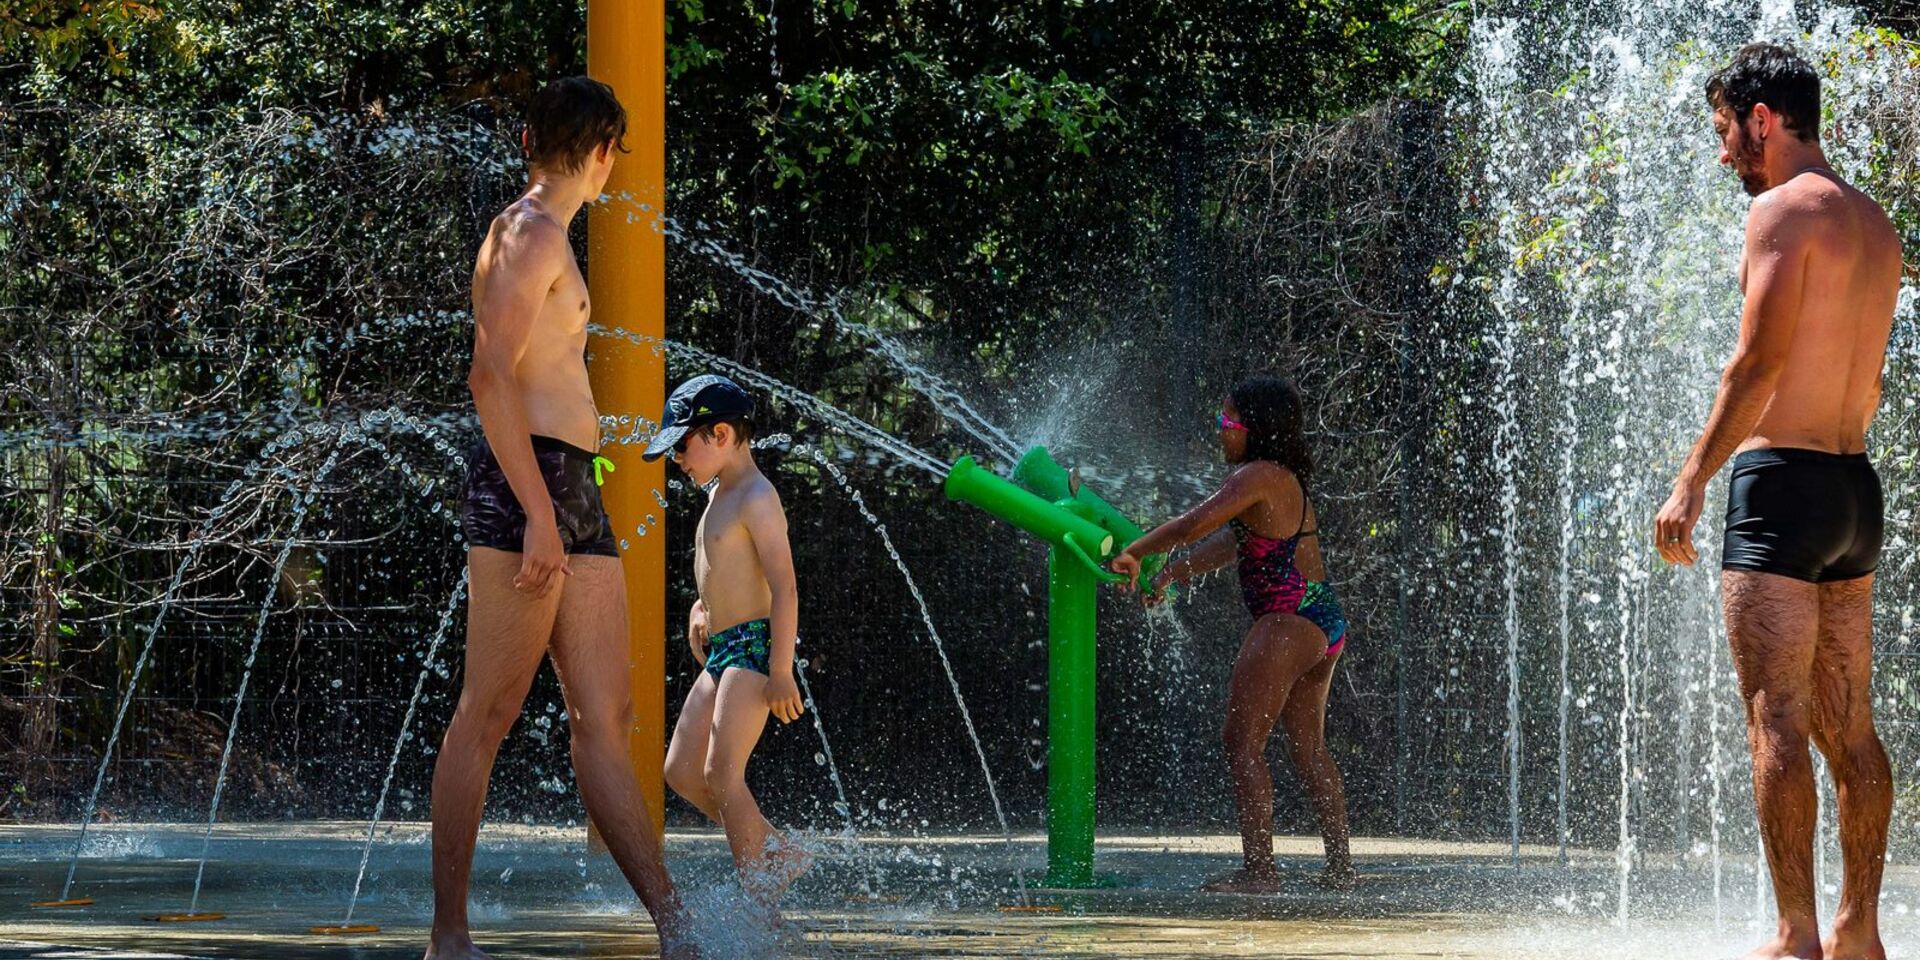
(538, 894)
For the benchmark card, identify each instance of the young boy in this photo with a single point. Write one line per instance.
(743, 570)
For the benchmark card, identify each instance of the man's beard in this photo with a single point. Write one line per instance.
(1747, 166)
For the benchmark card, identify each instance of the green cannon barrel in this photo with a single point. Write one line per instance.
(1039, 472)
(968, 481)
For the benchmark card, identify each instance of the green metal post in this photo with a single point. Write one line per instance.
(1070, 719)
(1080, 530)
(1038, 472)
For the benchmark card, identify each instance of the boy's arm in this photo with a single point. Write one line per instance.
(526, 262)
(766, 523)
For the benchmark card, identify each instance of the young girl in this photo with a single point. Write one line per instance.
(1285, 667)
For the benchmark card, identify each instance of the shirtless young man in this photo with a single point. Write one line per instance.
(1821, 274)
(543, 565)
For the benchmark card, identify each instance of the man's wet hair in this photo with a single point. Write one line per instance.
(1776, 76)
(742, 428)
(569, 119)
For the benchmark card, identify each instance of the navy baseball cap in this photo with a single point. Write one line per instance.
(709, 398)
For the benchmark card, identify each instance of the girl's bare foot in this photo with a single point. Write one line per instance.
(1247, 880)
(786, 862)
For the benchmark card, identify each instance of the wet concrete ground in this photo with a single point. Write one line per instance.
(538, 893)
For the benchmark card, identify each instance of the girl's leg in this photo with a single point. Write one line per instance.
(1305, 717)
(1278, 651)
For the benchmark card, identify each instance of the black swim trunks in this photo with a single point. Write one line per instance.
(1804, 514)
(491, 516)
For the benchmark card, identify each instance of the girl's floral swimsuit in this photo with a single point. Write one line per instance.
(1270, 582)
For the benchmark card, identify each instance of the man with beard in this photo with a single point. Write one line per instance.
(1820, 274)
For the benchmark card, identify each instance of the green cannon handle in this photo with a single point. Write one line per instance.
(1104, 576)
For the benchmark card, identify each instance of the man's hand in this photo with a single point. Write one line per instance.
(541, 557)
(1127, 565)
(697, 631)
(783, 697)
(1673, 525)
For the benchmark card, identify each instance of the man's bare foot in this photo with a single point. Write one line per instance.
(1340, 877)
(1789, 946)
(1848, 943)
(1247, 880)
(678, 950)
(454, 947)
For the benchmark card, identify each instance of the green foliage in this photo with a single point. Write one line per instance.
(385, 54)
(914, 145)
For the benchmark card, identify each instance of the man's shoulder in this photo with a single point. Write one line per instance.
(524, 230)
(1818, 211)
(1793, 213)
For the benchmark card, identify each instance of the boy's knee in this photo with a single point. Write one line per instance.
(721, 777)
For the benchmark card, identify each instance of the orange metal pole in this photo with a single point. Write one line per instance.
(627, 278)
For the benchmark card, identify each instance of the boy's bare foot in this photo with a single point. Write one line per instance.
(1342, 877)
(455, 947)
(1247, 880)
(786, 862)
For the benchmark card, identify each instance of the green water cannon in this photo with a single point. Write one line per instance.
(1067, 525)
(1083, 532)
